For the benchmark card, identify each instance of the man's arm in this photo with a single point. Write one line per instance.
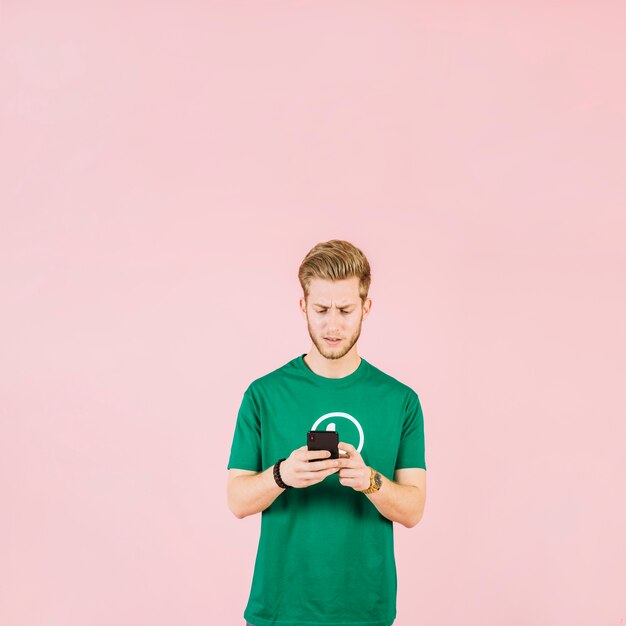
(251, 492)
(402, 501)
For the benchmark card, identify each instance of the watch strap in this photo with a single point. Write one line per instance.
(373, 484)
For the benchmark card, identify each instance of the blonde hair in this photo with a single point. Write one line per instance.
(335, 260)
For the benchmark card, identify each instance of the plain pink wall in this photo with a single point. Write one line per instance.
(165, 168)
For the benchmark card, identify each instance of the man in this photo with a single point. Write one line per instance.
(325, 553)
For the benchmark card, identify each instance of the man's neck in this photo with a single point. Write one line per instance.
(332, 368)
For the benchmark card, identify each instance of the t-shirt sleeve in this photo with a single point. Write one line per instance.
(412, 449)
(245, 452)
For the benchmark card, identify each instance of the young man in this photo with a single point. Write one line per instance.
(325, 554)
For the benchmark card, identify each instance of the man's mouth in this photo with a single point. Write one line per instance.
(332, 340)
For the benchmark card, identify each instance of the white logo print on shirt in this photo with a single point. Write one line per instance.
(333, 426)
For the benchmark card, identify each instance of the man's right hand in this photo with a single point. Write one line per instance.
(296, 471)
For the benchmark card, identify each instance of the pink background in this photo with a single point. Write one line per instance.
(165, 168)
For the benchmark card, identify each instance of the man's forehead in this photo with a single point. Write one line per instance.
(341, 293)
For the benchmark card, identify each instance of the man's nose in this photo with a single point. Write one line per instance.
(333, 320)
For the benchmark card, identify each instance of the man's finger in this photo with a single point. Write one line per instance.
(317, 454)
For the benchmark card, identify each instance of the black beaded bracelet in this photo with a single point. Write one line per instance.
(277, 478)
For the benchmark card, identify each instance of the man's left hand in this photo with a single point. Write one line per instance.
(352, 469)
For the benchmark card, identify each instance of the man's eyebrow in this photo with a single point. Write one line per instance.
(343, 306)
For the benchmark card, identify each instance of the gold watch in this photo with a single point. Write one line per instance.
(376, 482)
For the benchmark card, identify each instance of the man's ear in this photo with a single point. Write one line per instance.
(367, 306)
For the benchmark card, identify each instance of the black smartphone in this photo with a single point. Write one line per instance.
(324, 440)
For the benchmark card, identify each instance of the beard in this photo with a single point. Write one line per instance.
(334, 352)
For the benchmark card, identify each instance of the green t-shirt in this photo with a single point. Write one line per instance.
(326, 554)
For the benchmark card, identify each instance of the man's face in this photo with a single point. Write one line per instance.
(334, 311)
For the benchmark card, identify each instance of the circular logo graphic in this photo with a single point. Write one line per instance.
(333, 426)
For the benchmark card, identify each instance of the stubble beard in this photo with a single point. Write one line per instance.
(326, 351)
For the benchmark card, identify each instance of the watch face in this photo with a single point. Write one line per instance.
(378, 480)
